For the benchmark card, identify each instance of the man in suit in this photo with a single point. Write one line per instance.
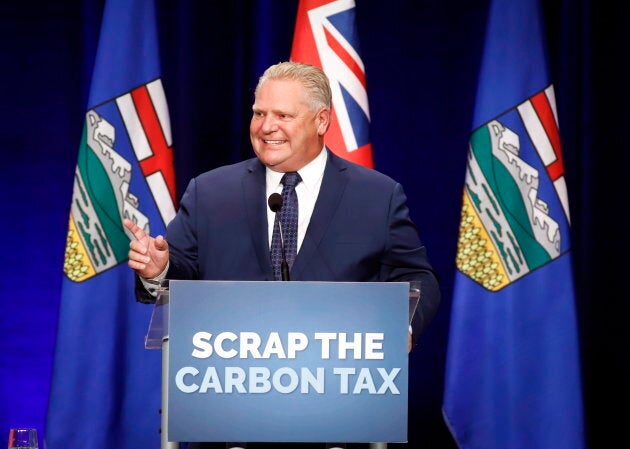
(353, 224)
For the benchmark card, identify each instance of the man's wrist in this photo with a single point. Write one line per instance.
(152, 284)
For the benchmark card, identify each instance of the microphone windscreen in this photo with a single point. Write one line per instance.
(275, 202)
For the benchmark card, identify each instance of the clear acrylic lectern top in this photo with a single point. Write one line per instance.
(158, 327)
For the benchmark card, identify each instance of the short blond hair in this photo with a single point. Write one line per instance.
(313, 79)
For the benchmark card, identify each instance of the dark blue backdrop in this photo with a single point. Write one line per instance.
(421, 59)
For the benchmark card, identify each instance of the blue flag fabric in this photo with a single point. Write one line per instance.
(105, 389)
(513, 370)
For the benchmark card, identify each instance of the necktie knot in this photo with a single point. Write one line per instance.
(291, 179)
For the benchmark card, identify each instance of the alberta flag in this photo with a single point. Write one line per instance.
(106, 387)
(513, 368)
(326, 37)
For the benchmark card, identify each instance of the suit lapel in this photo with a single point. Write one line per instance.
(330, 194)
(255, 205)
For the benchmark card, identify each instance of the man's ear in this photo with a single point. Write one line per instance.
(324, 117)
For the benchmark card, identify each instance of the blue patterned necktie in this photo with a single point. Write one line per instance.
(288, 216)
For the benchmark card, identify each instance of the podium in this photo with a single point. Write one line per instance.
(283, 361)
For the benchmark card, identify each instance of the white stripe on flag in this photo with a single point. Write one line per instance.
(138, 138)
(537, 132)
(156, 92)
(561, 188)
(551, 98)
(160, 192)
(346, 77)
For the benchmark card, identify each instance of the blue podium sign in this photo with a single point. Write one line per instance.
(288, 361)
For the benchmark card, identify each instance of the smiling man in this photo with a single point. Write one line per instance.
(339, 221)
(291, 114)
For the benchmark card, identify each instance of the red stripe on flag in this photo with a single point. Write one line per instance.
(541, 105)
(345, 57)
(555, 170)
(162, 158)
(304, 48)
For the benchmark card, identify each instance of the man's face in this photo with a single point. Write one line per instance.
(285, 133)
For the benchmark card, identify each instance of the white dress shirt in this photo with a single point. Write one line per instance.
(307, 192)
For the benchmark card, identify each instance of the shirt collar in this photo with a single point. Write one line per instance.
(311, 173)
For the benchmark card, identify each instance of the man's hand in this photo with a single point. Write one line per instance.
(148, 256)
(409, 342)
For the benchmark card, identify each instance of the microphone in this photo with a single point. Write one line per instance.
(275, 204)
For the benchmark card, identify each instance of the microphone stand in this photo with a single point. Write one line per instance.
(284, 266)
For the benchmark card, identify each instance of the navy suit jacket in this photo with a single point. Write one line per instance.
(360, 231)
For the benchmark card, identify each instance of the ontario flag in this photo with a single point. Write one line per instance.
(105, 389)
(513, 370)
(326, 37)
